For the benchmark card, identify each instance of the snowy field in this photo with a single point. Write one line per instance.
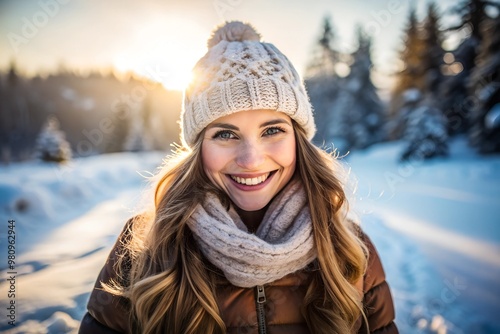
(436, 226)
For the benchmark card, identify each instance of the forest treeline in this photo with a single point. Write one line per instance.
(95, 113)
(437, 94)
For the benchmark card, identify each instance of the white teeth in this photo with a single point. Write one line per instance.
(251, 181)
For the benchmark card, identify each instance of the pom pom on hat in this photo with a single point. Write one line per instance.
(234, 31)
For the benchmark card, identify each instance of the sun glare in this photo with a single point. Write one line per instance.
(164, 50)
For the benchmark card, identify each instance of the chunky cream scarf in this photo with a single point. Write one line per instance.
(282, 244)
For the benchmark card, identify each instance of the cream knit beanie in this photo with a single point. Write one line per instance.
(241, 73)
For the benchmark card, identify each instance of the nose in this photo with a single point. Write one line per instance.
(250, 156)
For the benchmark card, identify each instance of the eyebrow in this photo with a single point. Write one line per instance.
(233, 127)
(274, 122)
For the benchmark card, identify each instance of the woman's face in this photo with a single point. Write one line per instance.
(250, 155)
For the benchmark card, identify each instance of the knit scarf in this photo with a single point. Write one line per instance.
(282, 244)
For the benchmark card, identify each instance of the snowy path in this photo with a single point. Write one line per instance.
(449, 209)
(71, 220)
(431, 281)
(67, 264)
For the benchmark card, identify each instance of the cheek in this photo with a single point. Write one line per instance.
(207, 159)
(285, 153)
(212, 159)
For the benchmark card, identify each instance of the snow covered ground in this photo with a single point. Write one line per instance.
(436, 226)
(67, 218)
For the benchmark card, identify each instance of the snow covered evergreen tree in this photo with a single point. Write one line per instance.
(139, 136)
(485, 84)
(420, 119)
(456, 104)
(425, 132)
(51, 144)
(12, 76)
(454, 93)
(115, 142)
(322, 80)
(360, 116)
(324, 57)
(472, 14)
(432, 51)
(424, 124)
(411, 75)
(136, 140)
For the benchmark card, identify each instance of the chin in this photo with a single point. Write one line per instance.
(255, 206)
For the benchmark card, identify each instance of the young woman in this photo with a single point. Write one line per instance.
(249, 231)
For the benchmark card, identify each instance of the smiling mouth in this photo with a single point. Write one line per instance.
(251, 181)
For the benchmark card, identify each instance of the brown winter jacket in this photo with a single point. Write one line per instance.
(283, 300)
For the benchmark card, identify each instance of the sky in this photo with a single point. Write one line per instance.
(163, 39)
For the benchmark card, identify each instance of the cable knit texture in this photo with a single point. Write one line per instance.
(241, 73)
(282, 244)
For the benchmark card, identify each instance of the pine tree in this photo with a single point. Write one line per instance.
(360, 120)
(139, 136)
(117, 138)
(324, 56)
(12, 77)
(5, 120)
(411, 77)
(472, 14)
(420, 118)
(7, 113)
(425, 133)
(51, 144)
(322, 81)
(18, 116)
(135, 141)
(432, 51)
(455, 94)
(485, 84)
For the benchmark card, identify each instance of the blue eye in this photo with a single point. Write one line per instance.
(224, 135)
(273, 131)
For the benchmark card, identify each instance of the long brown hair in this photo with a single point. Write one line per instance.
(168, 284)
(332, 302)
